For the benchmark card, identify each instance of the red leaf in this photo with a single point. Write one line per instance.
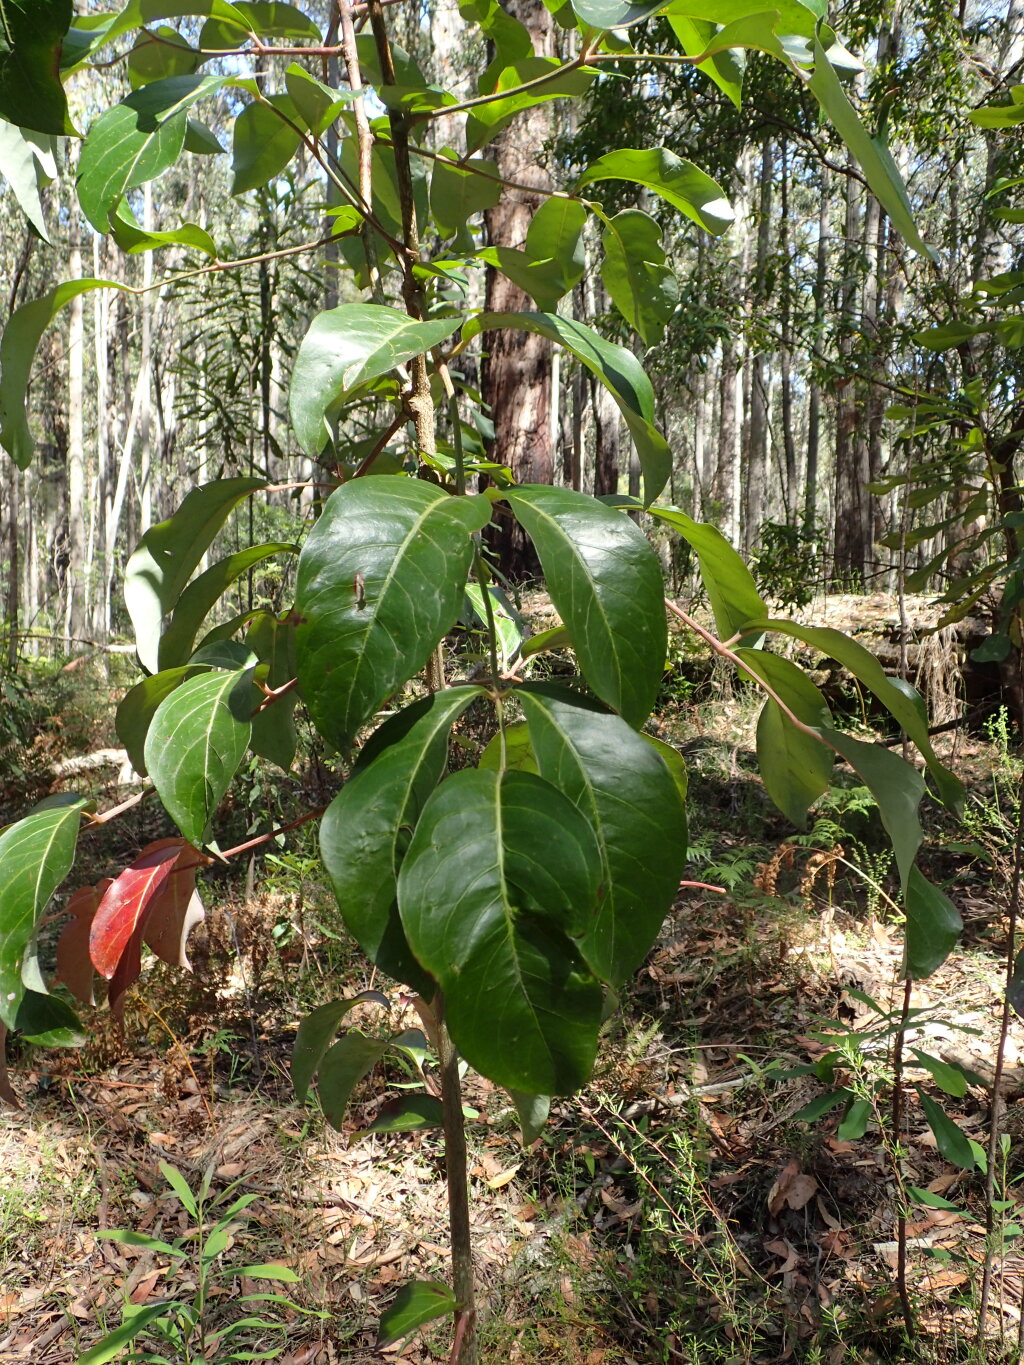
(131, 898)
(74, 966)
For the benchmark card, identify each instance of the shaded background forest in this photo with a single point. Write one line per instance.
(789, 370)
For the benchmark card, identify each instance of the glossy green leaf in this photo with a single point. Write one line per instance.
(897, 788)
(159, 54)
(873, 156)
(796, 767)
(631, 802)
(136, 141)
(263, 19)
(417, 1302)
(562, 82)
(137, 708)
(725, 68)
(203, 593)
(897, 700)
(349, 346)
(950, 1139)
(727, 581)
(26, 163)
(316, 104)
(557, 637)
(509, 35)
(48, 1021)
(316, 1033)
(344, 1065)
(168, 554)
(680, 183)
(512, 749)
(31, 35)
(615, 13)
(17, 352)
(541, 280)
(201, 140)
(948, 1078)
(618, 369)
(933, 926)
(533, 1111)
(381, 580)
(1000, 115)
(556, 234)
(855, 1121)
(410, 1114)
(502, 872)
(642, 287)
(273, 736)
(931, 1200)
(605, 582)
(508, 624)
(264, 141)
(195, 743)
(366, 828)
(457, 192)
(36, 854)
(794, 16)
(132, 238)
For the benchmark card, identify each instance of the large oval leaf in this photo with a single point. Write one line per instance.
(501, 871)
(36, 855)
(195, 744)
(168, 554)
(680, 183)
(618, 369)
(795, 767)
(365, 830)
(381, 579)
(605, 582)
(348, 346)
(632, 802)
(31, 94)
(727, 581)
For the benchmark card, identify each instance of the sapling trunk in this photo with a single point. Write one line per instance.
(456, 1169)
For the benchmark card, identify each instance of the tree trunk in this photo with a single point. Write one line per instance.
(757, 429)
(75, 623)
(516, 371)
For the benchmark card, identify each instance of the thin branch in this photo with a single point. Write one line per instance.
(266, 838)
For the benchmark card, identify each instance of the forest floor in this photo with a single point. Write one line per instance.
(677, 1210)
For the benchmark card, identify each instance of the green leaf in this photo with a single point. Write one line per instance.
(727, 581)
(615, 13)
(556, 233)
(510, 36)
(410, 1114)
(459, 191)
(201, 140)
(349, 346)
(26, 163)
(273, 730)
(542, 280)
(631, 802)
(618, 369)
(417, 1302)
(511, 748)
(160, 54)
(135, 142)
(167, 555)
(202, 594)
(855, 1121)
(365, 831)
(930, 1200)
(381, 580)
(194, 746)
(263, 142)
(114, 1342)
(605, 582)
(17, 351)
(680, 183)
(1000, 115)
(46, 1020)
(900, 703)
(533, 1111)
(796, 767)
(486, 120)
(951, 1141)
(726, 68)
(642, 287)
(140, 1239)
(316, 104)
(181, 1188)
(315, 1034)
(503, 870)
(872, 155)
(933, 926)
(263, 19)
(137, 708)
(36, 854)
(948, 1078)
(344, 1065)
(822, 1104)
(31, 35)
(268, 1271)
(130, 237)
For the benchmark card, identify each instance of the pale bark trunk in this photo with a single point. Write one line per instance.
(75, 622)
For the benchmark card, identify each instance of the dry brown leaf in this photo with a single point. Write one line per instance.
(792, 1189)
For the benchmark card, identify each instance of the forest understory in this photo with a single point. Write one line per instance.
(678, 1209)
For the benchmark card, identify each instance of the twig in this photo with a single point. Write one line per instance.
(272, 834)
(897, 1125)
